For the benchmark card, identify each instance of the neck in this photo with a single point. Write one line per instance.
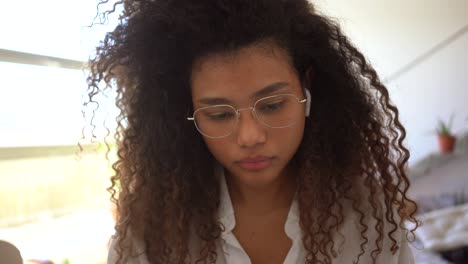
(263, 200)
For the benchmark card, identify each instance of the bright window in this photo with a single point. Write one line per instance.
(53, 199)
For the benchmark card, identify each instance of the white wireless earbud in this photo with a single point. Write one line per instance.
(307, 112)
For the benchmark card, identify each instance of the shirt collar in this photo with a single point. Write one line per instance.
(226, 211)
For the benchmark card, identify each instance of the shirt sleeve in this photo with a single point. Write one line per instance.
(405, 253)
(136, 259)
(112, 255)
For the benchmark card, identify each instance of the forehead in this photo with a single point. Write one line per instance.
(238, 75)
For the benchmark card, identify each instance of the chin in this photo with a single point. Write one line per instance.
(256, 178)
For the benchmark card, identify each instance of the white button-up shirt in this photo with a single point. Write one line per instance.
(232, 251)
(229, 250)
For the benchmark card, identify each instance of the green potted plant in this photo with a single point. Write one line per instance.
(446, 137)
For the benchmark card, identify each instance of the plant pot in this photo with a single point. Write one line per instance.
(446, 143)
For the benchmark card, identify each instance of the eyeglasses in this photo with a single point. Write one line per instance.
(276, 111)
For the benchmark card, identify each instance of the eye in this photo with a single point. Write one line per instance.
(271, 106)
(220, 116)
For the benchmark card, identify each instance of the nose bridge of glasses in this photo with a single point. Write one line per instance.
(252, 111)
(243, 109)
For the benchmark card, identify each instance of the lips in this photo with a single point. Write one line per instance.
(255, 163)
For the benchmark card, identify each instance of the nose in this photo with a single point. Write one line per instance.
(250, 132)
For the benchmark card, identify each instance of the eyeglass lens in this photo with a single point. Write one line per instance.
(277, 111)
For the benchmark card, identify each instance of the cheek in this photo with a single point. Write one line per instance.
(218, 148)
(288, 139)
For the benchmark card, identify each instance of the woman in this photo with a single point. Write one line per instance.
(250, 131)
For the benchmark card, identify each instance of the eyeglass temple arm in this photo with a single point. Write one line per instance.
(190, 118)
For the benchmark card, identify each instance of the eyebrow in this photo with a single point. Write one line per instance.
(260, 93)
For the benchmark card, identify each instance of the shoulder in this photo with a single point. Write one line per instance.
(137, 248)
(369, 230)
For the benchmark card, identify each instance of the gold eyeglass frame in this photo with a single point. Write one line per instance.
(252, 108)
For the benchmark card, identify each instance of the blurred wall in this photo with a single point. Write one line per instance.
(392, 34)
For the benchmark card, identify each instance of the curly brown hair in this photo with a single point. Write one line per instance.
(353, 138)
